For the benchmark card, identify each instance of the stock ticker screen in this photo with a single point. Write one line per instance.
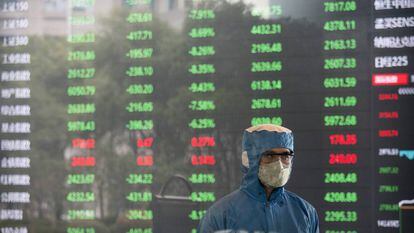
(127, 115)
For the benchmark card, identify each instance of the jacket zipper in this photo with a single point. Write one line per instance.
(267, 213)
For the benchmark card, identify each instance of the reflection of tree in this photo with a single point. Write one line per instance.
(171, 114)
(48, 123)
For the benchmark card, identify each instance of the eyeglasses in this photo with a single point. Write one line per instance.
(270, 156)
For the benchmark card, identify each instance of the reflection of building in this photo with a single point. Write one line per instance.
(171, 11)
(51, 17)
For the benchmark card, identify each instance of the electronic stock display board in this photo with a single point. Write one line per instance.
(127, 116)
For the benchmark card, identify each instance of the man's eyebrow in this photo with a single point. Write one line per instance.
(269, 152)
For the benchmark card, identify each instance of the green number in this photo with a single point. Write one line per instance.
(81, 38)
(266, 103)
(266, 29)
(203, 123)
(201, 14)
(346, 82)
(341, 216)
(81, 55)
(139, 17)
(340, 177)
(81, 214)
(266, 85)
(202, 32)
(81, 20)
(140, 230)
(339, 25)
(140, 107)
(80, 197)
(81, 108)
(203, 196)
(134, 3)
(80, 126)
(85, 73)
(266, 66)
(388, 170)
(202, 105)
(202, 69)
(266, 120)
(140, 125)
(340, 63)
(139, 71)
(202, 178)
(202, 87)
(139, 53)
(206, 50)
(140, 35)
(81, 90)
(266, 48)
(139, 179)
(347, 101)
(82, 3)
(340, 6)
(141, 89)
(80, 230)
(80, 179)
(340, 120)
(139, 215)
(341, 44)
(139, 196)
(197, 214)
(338, 197)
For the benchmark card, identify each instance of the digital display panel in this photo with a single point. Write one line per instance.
(127, 115)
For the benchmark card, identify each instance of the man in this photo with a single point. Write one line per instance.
(261, 204)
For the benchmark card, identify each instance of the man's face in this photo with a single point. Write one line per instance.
(276, 154)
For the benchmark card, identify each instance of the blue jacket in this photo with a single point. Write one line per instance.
(247, 208)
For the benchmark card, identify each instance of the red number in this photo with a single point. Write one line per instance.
(343, 139)
(145, 160)
(203, 160)
(88, 143)
(203, 141)
(83, 161)
(145, 142)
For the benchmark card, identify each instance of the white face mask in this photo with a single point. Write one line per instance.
(274, 174)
